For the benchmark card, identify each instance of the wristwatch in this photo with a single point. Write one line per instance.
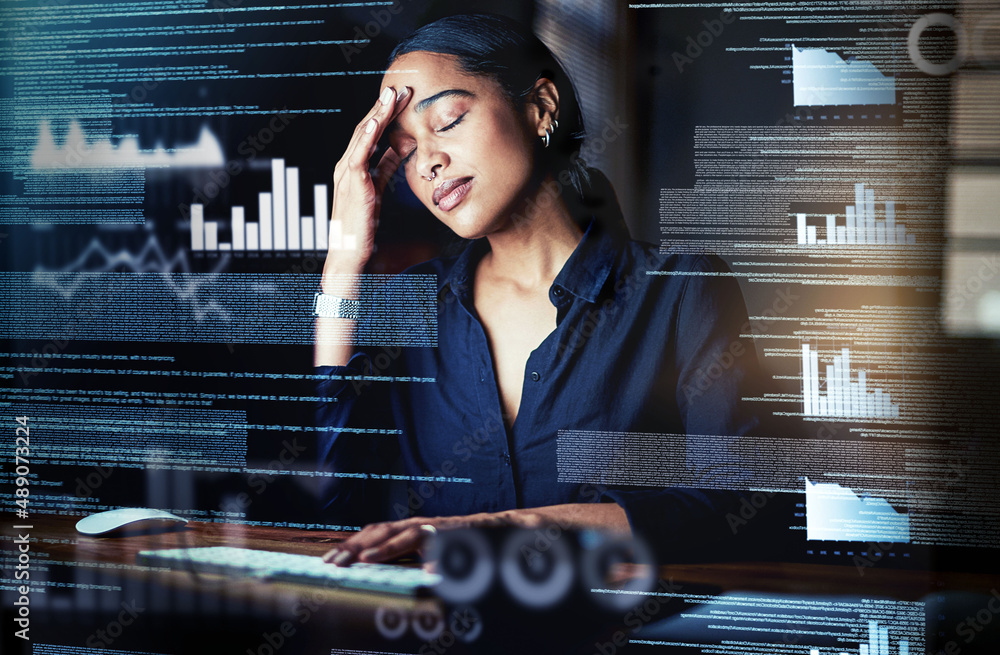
(333, 307)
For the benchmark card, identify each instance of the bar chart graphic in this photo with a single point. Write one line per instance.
(859, 225)
(845, 395)
(821, 77)
(878, 643)
(836, 513)
(280, 226)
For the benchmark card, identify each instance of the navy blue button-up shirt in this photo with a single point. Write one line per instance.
(630, 352)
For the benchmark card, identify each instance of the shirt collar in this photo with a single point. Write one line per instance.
(583, 274)
(459, 278)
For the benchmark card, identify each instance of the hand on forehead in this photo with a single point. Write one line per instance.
(432, 79)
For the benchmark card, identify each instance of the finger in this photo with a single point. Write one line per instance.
(395, 105)
(361, 130)
(338, 556)
(371, 129)
(386, 97)
(397, 108)
(368, 131)
(386, 168)
(403, 543)
(370, 536)
(402, 99)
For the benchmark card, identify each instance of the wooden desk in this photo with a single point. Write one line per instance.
(82, 583)
(89, 581)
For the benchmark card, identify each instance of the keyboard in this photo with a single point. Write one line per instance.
(304, 569)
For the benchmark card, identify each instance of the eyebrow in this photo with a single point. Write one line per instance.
(427, 102)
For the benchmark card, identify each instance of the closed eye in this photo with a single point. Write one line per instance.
(405, 160)
(453, 123)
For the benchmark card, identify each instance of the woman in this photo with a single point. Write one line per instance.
(547, 322)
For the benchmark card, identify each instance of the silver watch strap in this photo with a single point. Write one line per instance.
(333, 307)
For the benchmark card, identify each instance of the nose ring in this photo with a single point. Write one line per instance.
(434, 174)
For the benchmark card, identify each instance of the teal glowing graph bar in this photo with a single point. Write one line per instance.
(239, 227)
(281, 224)
(293, 220)
(278, 208)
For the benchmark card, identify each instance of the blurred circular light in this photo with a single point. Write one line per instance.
(536, 577)
(465, 562)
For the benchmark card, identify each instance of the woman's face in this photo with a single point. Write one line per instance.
(467, 153)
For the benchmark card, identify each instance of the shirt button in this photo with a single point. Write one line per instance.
(482, 374)
(557, 291)
(535, 377)
(506, 459)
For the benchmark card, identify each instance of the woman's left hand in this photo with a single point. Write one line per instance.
(379, 542)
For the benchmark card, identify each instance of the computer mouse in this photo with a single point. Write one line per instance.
(132, 518)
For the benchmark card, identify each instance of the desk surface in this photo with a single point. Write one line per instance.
(58, 537)
(58, 541)
(81, 583)
(109, 562)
